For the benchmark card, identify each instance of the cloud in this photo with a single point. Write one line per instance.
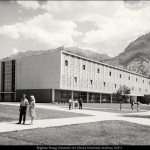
(113, 24)
(44, 29)
(116, 23)
(10, 31)
(29, 4)
(124, 25)
(15, 51)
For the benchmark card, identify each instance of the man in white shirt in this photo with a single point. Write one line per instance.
(22, 109)
(70, 103)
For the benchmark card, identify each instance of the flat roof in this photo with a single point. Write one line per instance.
(104, 64)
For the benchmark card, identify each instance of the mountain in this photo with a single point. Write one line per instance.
(74, 50)
(87, 53)
(24, 54)
(136, 56)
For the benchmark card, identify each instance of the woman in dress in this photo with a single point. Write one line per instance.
(32, 113)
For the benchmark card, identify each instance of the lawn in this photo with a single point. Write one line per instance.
(98, 133)
(109, 107)
(11, 113)
(104, 105)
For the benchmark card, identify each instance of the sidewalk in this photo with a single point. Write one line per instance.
(97, 116)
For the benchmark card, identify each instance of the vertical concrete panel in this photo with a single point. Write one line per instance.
(39, 71)
(87, 97)
(53, 95)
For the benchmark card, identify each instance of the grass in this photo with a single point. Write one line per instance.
(11, 113)
(104, 105)
(113, 110)
(98, 133)
(108, 107)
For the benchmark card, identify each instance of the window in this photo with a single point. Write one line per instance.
(91, 81)
(145, 90)
(75, 79)
(83, 67)
(143, 81)
(120, 75)
(66, 62)
(139, 89)
(104, 83)
(132, 88)
(129, 77)
(136, 79)
(110, 73)
(98, 70)
(115, 85)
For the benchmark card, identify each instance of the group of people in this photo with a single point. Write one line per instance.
(75, 103)
(24, 104)
(138, 105)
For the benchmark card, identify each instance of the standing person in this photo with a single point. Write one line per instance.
(80, 103)
(32, 113)
(70, 103)
(76, 103)
(138, 105)
(132, 104)
(23, 109)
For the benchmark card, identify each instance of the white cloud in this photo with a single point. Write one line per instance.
(15, 51)
(29, 4)
(116, 24)
(124, 25)
(44, 29)
(10, 31)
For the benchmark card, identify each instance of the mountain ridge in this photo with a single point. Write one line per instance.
(135, 57)
(74, 50)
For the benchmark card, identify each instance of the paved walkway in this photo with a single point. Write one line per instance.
(96, 116)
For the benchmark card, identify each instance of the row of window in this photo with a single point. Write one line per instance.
(98, 71)
(104, 84)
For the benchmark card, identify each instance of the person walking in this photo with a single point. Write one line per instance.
(32, 112)
(23, 109)
(70, 103)
(132, 104)
(138, 105)
(80, 103)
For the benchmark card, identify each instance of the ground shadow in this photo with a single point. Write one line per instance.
(137, 116)
(18, 124)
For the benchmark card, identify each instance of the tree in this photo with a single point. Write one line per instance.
(123, 94)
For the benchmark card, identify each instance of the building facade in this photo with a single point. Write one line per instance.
(55, 76)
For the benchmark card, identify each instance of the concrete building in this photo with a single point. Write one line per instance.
(55, 76)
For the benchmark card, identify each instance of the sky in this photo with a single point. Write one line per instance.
(105, 27)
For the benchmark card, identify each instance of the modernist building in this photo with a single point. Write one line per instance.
(55, 76)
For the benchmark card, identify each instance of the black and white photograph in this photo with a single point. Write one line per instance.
(74, 74)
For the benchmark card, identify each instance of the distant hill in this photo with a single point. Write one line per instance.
(87, 53)
(74, 50)
(136, 57)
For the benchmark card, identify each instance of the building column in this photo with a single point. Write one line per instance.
(53, 95)
(100, 98)
(111, 98)
(87, 97)
(71, 94)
